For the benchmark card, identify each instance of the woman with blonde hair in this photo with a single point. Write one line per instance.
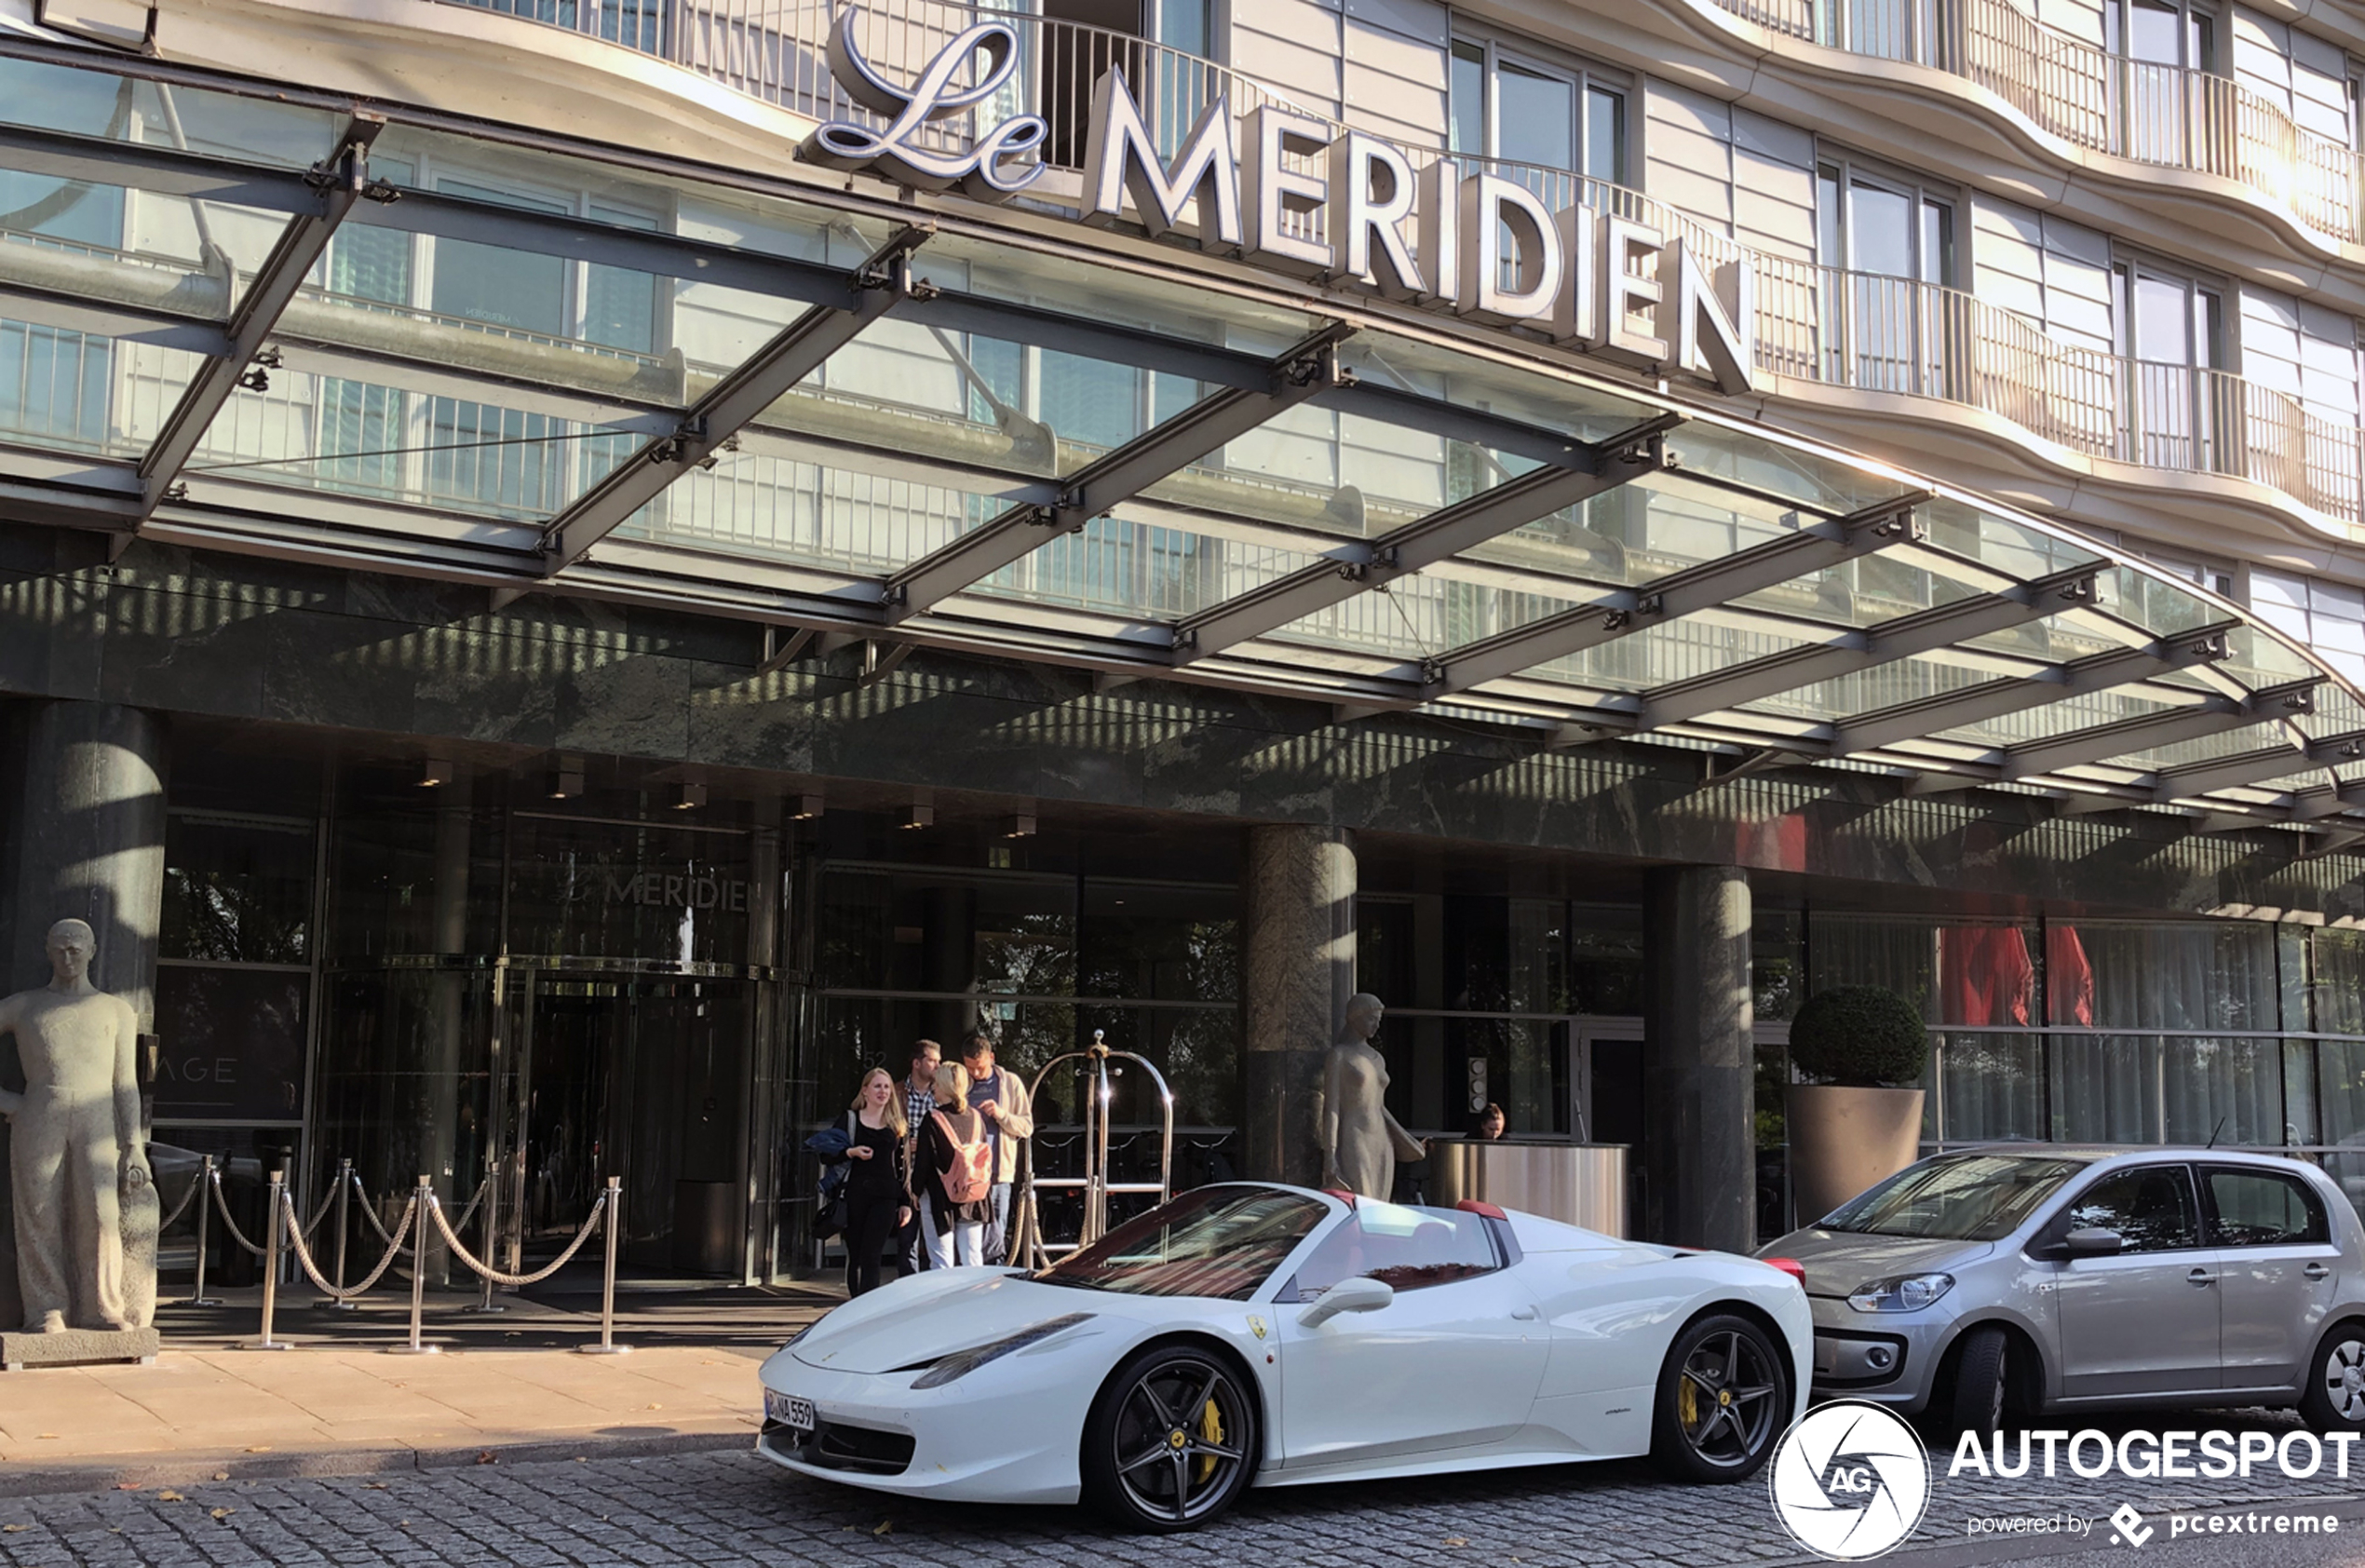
(878, 1182)
(956, 1174)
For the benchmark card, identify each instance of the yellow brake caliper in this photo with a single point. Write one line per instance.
(1688, 1405)
(1210, 1430)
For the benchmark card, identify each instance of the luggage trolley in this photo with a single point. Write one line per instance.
(1094, 1182)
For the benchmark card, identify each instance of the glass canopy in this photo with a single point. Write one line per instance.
(290, 331)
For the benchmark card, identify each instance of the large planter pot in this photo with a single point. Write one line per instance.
(1844, 1140)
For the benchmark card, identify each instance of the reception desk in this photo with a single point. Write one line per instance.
(1577, 1184)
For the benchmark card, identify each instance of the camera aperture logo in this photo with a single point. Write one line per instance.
(1850, 1481)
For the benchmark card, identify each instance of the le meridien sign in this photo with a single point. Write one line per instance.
(1448, 237)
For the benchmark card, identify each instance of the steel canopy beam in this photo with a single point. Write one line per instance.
(1306, 369)
(336, 184)
(2257, 767)
(2147, 731)
(2014, 693)
(877, 287)
(1427, 540)
(1623, 612)
(1924, 631)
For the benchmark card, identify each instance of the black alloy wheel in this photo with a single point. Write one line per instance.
(2334, 1396)
(1171, 1441)
(1724, 1399)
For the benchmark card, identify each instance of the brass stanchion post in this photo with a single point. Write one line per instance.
(422, 1200)
(204, 1232)
(277, 1232)
(612, 1202)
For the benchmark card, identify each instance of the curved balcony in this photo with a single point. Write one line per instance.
(2167, 115)
(1817, 327)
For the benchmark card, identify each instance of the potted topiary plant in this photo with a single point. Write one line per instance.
(1853, 1126)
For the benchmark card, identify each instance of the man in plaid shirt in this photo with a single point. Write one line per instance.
(919, 1101)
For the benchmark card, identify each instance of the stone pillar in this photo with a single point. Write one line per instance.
(1699, 1159)
(1297, 964)
(88, 835)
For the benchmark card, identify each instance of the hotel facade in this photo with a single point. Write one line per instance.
(574, 574)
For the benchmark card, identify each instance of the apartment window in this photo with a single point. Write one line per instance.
(1171, 86)
(2169, 329)
(1886, 238)
(1521, 109)
(2162, 33)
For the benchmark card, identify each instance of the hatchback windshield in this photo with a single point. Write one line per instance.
(1218, 1241)
(1956, 1197)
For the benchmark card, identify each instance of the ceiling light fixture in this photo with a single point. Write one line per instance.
(804, 808)
(688, 797)
(918, 816)
(1021, 825)
(565, 783)
(433, 774)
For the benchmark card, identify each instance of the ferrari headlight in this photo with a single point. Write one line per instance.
(962, 1362)
(1905, 1293)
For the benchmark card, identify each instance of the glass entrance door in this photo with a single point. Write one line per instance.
(641, 1078)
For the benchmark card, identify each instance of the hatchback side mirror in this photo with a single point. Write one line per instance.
(1359, 1295)
(2092, 1241)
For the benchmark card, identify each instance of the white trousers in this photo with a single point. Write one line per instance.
(964, 1243)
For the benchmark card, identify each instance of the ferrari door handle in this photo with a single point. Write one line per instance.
(2201, 1276)
(2316, 1271)
(1525, 1313)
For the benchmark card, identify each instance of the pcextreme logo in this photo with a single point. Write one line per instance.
(1850, 1481)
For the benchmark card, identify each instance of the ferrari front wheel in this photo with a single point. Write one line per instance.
(1724, 1398)
(1171, 1439)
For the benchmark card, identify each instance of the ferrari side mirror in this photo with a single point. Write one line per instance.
(1348, 1295)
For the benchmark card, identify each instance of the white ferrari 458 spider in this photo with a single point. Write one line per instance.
(1252, 1335)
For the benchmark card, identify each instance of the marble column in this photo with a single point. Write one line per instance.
(1297, 969)
(1699, 1157)
(88, 844)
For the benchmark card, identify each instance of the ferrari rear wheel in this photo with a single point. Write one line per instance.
(1723, 1396)
(1171, 1439)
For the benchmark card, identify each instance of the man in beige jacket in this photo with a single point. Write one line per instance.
(1000, 1098)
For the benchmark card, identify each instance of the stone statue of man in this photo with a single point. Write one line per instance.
(1360, 1141)
(74, 1147)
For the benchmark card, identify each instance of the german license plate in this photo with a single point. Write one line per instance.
(788, 1409)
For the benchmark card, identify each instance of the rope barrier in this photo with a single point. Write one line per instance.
(295, 1221)
(188, 1196)
(370, 1210)
(304, 1256)
(469, 1213)
(599, 1207)
(221, 1205)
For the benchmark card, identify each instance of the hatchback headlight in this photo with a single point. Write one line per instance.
(962, 1362)
(1905, 1293)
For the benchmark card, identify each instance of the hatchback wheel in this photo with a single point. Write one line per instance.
(1171, 1441)
(2334, 1398)
(1724, 1398)
(1983, 1382)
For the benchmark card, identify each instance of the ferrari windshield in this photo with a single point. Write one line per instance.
(1959, 1197)
(1220, 1242)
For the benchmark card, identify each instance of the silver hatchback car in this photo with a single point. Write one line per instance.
(1990, 1285)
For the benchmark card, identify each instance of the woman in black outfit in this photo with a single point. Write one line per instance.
(878, 1179)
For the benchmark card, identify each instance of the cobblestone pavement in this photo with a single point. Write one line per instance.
(719, 1509)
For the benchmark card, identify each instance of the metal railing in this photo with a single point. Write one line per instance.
(1818, 324)
(2170, 116)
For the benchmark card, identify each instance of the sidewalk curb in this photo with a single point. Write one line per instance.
(191, 1469)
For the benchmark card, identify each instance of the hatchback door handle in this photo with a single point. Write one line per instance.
(1525, 1313)
(2316, 1271)
(2201, 1276)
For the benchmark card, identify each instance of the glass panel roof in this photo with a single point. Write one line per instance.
(523, 322)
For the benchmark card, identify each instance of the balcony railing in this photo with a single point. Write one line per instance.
(2165, 115)
(1814, 323)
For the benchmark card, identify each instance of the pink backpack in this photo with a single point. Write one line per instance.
(971, 1177)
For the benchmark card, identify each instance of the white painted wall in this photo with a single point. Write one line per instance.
(2055, 273)
(1296, 46)
(1736, 171)
(1395, 73)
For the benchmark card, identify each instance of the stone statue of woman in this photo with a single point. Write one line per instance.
(1360, 1141)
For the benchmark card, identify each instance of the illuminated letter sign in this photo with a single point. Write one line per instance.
(901, 151)
(1121, 161)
